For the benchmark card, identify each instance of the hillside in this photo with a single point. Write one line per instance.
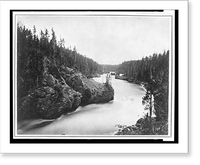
(51, 79)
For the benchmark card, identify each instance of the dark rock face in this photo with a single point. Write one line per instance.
(49, 102)
(94, 92)
(140, 122)
(62, 91)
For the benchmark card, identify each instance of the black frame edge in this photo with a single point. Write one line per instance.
(100, 141)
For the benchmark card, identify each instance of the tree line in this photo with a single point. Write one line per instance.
(33, 53)
(109, 68)
(153, 72)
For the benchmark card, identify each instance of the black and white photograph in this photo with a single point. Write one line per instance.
(94, 77)
(93, 74)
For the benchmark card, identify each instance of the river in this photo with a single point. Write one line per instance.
(95, 119)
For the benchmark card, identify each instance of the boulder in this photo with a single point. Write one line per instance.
(49, 102)
(140, 122)
(61, 92)
(92, 91)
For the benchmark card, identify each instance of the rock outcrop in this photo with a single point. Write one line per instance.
(92, 91)
(62, 92)
(144, 127)
(49, 102)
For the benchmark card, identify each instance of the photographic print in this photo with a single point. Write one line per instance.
(99, 75)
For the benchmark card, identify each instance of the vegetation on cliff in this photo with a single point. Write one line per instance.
(33, 52)
(51, 79)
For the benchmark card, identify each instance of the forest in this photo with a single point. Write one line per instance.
(34, 52)
(109, 68)
(41, 55)
(153, 73)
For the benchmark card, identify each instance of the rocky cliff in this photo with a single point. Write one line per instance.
(61, 92)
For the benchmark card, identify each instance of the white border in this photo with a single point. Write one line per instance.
(181, 147)
(166, 14)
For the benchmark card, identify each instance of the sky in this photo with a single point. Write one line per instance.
(107, 39)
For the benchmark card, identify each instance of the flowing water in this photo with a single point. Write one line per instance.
(95, 119)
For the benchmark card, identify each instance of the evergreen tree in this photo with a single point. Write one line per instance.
(153, 72)
(38, 55)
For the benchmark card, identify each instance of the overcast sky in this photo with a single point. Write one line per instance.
(108, 40)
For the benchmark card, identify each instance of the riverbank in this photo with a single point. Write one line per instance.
(131, 80)
(144, 127)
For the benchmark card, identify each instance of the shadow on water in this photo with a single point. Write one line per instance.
(41, 124)
(32, 124)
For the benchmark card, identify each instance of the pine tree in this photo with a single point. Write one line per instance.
(53, 48)
(38, 56)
